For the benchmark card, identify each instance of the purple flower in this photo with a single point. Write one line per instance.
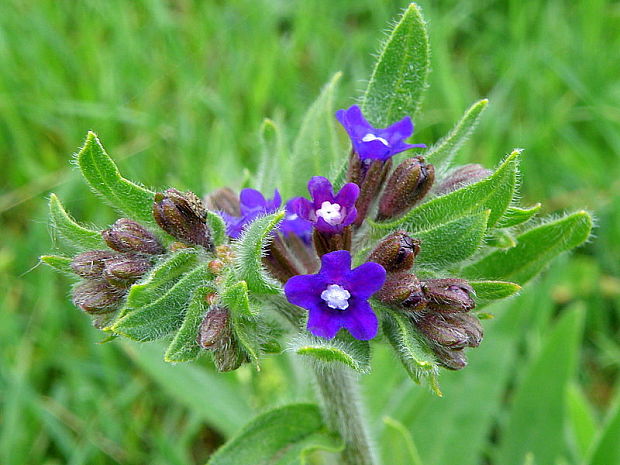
(376, 143)
(295, 224)
(337, 296)
(252, 204)
(328, 212)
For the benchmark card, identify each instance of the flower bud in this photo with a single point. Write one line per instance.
(90, 264)
(125, 270)
(215, 334)
(402, 290)
(408, 184)
(370, 182)
(128, 236)
(462, 176)
(448, 295)
(96, 296)
(454, 330)
(451, 359)
(224, 200)
(182, 215)
(396, 252)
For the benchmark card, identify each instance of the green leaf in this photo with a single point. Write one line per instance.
(537, 416)
(316, 147)
(250, 250)
(398, 80)
(165, 314)
(583, 422)
(347, 350)
(77, 235)
(275, 157)
(534, 249)
(184, 347)
(399, 447)
(282, 436)
(103, 177)
(493, 193)
(500, 239)
(516, 215)
(414, 354)
(444, 150)
(218, 228)
(236, 298)
(494, 290)
(452, 242)
(62, 264)
(606, 450)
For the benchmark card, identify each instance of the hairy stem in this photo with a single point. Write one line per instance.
(338, 389)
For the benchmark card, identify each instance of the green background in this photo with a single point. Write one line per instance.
(177, 91)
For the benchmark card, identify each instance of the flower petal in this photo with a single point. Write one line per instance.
(348, 195)
(361, 320)
(398, 131)
(323, 322)
(374, 149)
(321, 190)
(305, 290)
(365, 280)
(251, 199)
(336, 266)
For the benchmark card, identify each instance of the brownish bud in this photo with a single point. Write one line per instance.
(396, 252)
(402, 290)
(408, 184)
(215, 266)
(128, 236)
(96, 296)
(224, 200)
(326, 242)
(182, 215)
(215, 334)
(453, 330)
(90, 264)
(451, 359)
(125, 270)
(370, 183)
(449, 294)
(461, 177)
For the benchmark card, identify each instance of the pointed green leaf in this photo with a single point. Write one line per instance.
(399, 447)
(514, 216)
(351, 352)
(537, 416)
(165, 314)
(316, 147)
(249, 250)
(494, 290)
(236, 298)
(275, 157)
(500, 239)
(413, 352)
(282, 436)
(184, 347)
(62, 264)
(398, 80)
(493, 193)
(77, 235)
(534, 250)
(103, 177)
(606, 450)
(442, 153)
(452, 242)
(218, 228)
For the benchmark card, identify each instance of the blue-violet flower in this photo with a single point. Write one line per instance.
(328, 213)
(337, 296)
(376, 143)
(295, 224)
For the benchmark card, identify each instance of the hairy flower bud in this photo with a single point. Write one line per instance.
(462, 176)
(408, 184)
(96, 296)
(402, 290)
(224, 200)
(90, 264)
(451, 359)
(449, 294)
(370, 179)
(182, 215)
(215, 334)
(396, 252)
(128, 236)
(454, 331)
(125, 270)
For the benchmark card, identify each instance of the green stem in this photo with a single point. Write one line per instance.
(338, 388)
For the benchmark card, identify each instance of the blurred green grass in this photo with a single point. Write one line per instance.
(177, 91)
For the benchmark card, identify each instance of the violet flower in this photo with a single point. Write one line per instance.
(295, 224)
(328, 213)
(376, 143)
(337, 296)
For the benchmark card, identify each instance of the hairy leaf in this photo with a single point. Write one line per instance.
(444, 150)
(62, 264)
(103, 177)
(516, 215)
(282, 436)
(346, 350)
(398, 80)
(77, 235)
(494, 290)
(500, 239)
(534, 249)
(218, 228)
(249, 249)
(236, 298)
(275, 156)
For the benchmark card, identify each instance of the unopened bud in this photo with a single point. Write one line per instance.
(215, 266)
(396, 252)
(371, 181)
(462, 176)
(224, 200)
(182, 215)
(408, 184)
(402, 290)
(451, 359)
(125, 270)
(454, 330)
(449, 295)
(128, 236)
(215, 334)
(96, 296)
(90, 264)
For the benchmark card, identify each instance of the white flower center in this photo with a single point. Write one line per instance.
(292, 217)
(330, 212)
(370, 137)
(336, 296)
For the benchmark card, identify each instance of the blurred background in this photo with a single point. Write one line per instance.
(177, 91)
